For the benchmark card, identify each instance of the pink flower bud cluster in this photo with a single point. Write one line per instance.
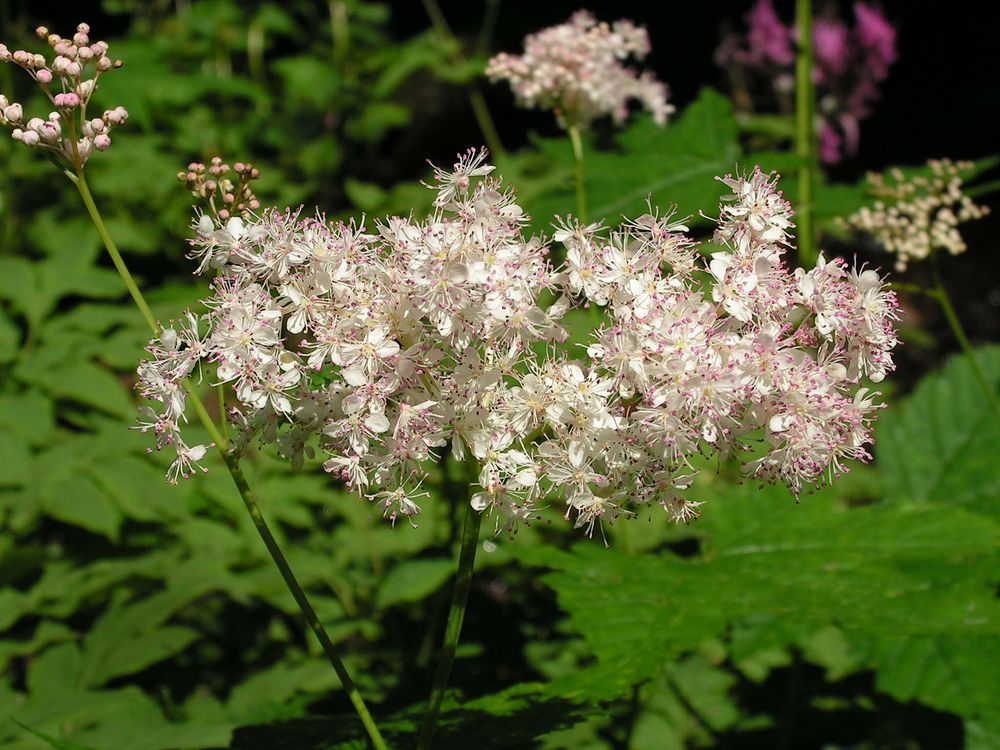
(377, 352)
(577, 70)
(849, 65)
(68, 81)
(214, 187)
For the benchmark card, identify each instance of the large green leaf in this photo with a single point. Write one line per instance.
(675, 164)
(943, 443)
(909, 570)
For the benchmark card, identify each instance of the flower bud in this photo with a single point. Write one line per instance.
(102, 141)
(13, 112)
(29, 138)
(44, 76)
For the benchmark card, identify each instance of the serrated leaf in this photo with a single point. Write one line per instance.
(941, 444)
(947, 672)
(870, 570)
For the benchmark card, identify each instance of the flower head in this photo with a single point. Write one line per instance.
(577, 70)
(381, 351)
(68, 80)
(914, 216)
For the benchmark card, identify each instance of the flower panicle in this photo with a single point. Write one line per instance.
(577, 70)
(376, 352)
(913, 216)
(68, 80)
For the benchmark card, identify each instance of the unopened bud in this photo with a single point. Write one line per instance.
(44, 76)
(13, 112)
(102, 141)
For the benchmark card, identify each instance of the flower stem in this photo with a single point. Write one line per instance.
(581, 192)
(476, 100)
(453, 629)
(805, 135)
(943, 299)
(133, 289)
(239, 479)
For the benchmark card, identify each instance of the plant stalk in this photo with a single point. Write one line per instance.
(95, 216)
(453, 629)
(805, 132)
(581, 192)
(476, 99)
(239, 479)
(941, 294)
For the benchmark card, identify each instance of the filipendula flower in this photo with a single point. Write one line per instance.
(379, 351)
(577, 70)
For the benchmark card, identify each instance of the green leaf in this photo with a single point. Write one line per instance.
(941, 444)
(80, 502)
(15, 458)
(116, 654)
(138, 488)
(947, 672)
(675, 164)
(10, 339)
(28, 415)
(870, 570)
(412, 580)
(80, 381)
(52, 741)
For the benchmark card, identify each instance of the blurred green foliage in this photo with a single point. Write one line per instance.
(137, 615)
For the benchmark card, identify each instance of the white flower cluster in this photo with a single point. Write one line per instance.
(68, 84)
(381, 350)
(577, 69)
(913, 216)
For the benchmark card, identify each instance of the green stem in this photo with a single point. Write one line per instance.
(133, 289)
(453, 629)
(303, 601)
(232, 464)
(956, 326)
(581, 192)
(476, 100)
(805, 132)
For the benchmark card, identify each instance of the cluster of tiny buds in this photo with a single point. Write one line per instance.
(67, 131)
(913, 216)
(221, 196)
